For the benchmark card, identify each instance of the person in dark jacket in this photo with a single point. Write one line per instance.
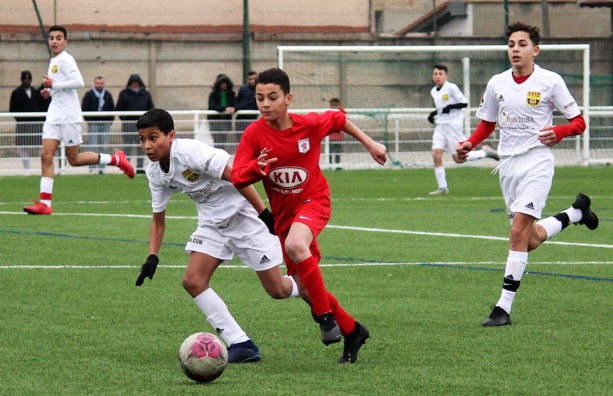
(27, 99)
(134, 97)
(223, 100)
(98, 127)
(245, 100)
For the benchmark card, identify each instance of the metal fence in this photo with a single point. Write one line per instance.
(406, 133)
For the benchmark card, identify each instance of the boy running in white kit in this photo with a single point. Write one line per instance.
(448, 118)
(228, 225)
(522, 101)
(63, 121)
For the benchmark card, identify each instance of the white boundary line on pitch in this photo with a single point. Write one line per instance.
(234, 266)
(382, 230)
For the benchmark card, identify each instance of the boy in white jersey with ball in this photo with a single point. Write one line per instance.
(522, 100)
(63, 121)
(448, 118)
(228, 225)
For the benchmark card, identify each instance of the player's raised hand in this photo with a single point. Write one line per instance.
(264, 161)
(147, 269)
(378, 152)
(463, 148)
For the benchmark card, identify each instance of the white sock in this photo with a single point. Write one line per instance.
(46, 186)
(105, 159)
(218, 316)
(516, 264)
(294, 287)
(574, 215)
(441, 179)
(551, 225)
(476, 155)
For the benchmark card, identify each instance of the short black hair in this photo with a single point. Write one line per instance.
(533, 31)
(58, 28)
(335, 101)
(252, 73)
(275, 76)
(441, 67)
(157, 118)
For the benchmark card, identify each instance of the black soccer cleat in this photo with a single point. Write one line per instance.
(243, 352)
(583, 203)
(353, 343)
(330, 332)
(498, 317)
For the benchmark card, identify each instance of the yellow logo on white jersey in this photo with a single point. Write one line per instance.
(534, 98)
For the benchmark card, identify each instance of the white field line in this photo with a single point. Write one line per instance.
(365, 229)
(235, 266)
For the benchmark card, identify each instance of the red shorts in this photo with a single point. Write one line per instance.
(315, 214)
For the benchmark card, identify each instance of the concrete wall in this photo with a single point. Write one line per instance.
(352, 13)
(180, 73)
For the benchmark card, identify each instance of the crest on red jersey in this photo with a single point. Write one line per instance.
(304, 145)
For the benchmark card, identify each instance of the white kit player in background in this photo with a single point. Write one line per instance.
(63, 121)
(522, 100)
(449, 125)
(228, 225)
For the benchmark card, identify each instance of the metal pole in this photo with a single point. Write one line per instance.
(246, 41)
(42, 27)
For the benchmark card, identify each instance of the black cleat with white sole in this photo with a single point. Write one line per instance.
(583, 203)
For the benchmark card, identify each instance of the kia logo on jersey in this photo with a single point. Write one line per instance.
(288, 177)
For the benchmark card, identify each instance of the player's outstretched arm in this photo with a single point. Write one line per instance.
(156, 235)
(376, 150)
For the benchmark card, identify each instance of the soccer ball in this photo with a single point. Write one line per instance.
(203, 357)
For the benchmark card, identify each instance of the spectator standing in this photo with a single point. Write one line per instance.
(27, 99)
(98, 127)
(245, 100)
(134, 97)
(223, 100)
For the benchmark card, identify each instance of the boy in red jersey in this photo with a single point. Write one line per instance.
(283, 150)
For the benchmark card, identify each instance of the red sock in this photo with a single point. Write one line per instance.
(310, 275)
(345, 321)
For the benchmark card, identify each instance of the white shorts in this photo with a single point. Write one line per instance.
(245, 236)
(446, 137)
(69, 134)
(525, 180)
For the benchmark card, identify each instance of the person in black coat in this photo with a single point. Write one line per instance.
(245, 100)
(134, 97)
(28, 131)
(223, 100)
(98, 127)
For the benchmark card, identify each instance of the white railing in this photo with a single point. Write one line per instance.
(406, 133)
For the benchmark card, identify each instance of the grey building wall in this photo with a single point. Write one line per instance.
(180, 70)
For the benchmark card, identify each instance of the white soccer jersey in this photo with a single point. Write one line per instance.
(448, 94)
(65, 107)
(522, 110)
(195, 170)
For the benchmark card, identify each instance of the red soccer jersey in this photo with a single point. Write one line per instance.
(296, 176)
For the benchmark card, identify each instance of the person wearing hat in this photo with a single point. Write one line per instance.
(222, 99)
(27, 99)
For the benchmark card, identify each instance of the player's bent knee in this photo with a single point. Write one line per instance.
(194, 286)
